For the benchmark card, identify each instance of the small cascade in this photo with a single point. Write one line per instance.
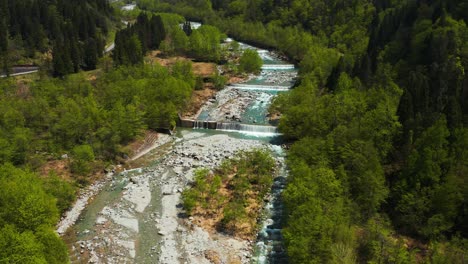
(197, 124)
(260, 87)
(203, 124)
(193, 25)
(255, 130)
(278, 67)
(264, 54)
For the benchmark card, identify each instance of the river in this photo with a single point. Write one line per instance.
(137, 218)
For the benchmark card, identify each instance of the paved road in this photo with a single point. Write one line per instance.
(21, 70)
(110, 48)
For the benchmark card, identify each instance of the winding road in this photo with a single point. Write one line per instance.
(21, 70)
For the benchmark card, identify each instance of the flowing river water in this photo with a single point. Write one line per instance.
(137, 218)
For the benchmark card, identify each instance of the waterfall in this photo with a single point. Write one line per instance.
(264, 54)
(278, 67)
(259, 87)
(203, 124)
(254, 130)
(197, 124)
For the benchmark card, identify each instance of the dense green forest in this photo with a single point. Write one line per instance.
(82, 120)
(133, 42)
(153, 31)
(60, 114)
(74, 31)
(89, 120)
(378, 122)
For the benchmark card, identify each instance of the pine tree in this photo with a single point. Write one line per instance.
(158, 31)
(4, 37)
(90, 55)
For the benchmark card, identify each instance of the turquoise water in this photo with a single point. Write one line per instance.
(270, 83)
(269, 239)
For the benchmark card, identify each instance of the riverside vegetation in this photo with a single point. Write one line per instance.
(90, 121)
(230, 198)
(377, 121)
(90, 116)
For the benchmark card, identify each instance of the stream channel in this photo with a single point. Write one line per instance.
(137, 217)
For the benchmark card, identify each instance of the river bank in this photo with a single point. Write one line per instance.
(115, 232)
(136, 216)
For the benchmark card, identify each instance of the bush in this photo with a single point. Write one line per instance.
(250, 62)
(61, 190)
(219, 81)
(227, 193)
(199, 83)
(189, 198)
(83, 155)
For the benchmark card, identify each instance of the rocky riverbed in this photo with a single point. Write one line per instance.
(230, 104)
(150, 200)
(278, 77)
(136, 216)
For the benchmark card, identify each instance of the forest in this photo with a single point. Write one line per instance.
(90, 120)
(71, 34)
(377, 122)
(74, 115)
(163, 31)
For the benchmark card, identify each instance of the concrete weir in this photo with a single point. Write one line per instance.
(227, 126)
(197, 124)
(260, 87)
(278, 67)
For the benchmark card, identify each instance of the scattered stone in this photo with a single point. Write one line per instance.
(133, 180)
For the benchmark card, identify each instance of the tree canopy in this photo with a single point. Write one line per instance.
(379, 110)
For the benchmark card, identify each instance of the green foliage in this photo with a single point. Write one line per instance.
(27, 219)
(218, 80)
(76, 37)
(205, 43)
(54, 249)
(20, 247)
(315, 206)
(199, 84)
(61, 114)
(25, 205)
(377, 246)
(183, 70)
(132, 42)
(318, 63)
(83, 155)
(61, 190)
(448, 252)
(376, 79)
(88, 121)
(379, 116)
(427, 198)
(250, 61)
(246, 177)
(177, 42)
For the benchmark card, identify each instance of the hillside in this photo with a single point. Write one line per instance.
(72, 32)
(378, 122)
